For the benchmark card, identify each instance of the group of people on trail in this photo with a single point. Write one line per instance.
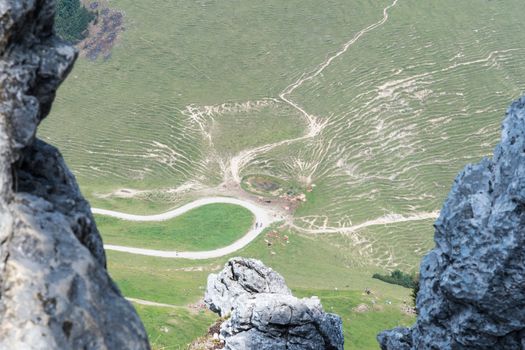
(258, 224)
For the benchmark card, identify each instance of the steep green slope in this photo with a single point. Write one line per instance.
(403, 108)
(310, 267)
(126, 122)
(192, 84)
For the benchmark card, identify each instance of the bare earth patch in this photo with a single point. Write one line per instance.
(103, 33)
(361, 308)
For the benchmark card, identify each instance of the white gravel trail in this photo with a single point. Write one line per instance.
(152, 303)
(263, 216)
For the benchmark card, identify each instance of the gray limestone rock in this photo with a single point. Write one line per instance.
(241, 277)
(263, 313)
(472, 293)
(55, 292)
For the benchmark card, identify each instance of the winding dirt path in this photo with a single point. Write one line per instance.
(263, 216)
(383, 220)
(152, 303)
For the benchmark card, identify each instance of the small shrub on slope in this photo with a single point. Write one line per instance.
(72, 20)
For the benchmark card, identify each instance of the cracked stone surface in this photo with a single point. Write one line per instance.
(263, 314)
(241, 277)
(55, 292)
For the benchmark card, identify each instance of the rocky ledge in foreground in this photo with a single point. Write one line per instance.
(55, 292)
(472, 285)
(262, 314)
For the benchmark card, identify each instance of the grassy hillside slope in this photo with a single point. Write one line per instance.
(205, 228)
(191, 85)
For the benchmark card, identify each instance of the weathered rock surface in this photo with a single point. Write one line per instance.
(55, 292)
(263, 313)
(238, 278)
(472, 285)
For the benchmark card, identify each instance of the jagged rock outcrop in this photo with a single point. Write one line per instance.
(241, 277)
(264, 315)
(472, 285)
(55, 292)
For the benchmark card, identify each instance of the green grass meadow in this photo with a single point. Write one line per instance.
(191, 84)
(173, 329)
(205, 228)
(318, 269)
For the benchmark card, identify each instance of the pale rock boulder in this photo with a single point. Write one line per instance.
(262, 313)
(238, 278)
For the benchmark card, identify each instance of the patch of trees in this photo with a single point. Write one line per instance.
(398, 277)
(415, 291)
(72, 20)
(403, 279)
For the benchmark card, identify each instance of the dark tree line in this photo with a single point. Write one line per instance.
(403, 279)
(72, 20)
(398, 277)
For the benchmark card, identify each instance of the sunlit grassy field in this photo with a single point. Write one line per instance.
(310, 266)
(405, 107)
(124, 121)
(173, 328)
(192, 84)
(205, 228)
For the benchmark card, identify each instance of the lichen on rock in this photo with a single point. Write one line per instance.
(472, 293)
(55, 292)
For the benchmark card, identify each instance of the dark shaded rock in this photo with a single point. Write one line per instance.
(472, 293)
(263, 313)
(41, 171)
(398, 338)
(55, 292)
